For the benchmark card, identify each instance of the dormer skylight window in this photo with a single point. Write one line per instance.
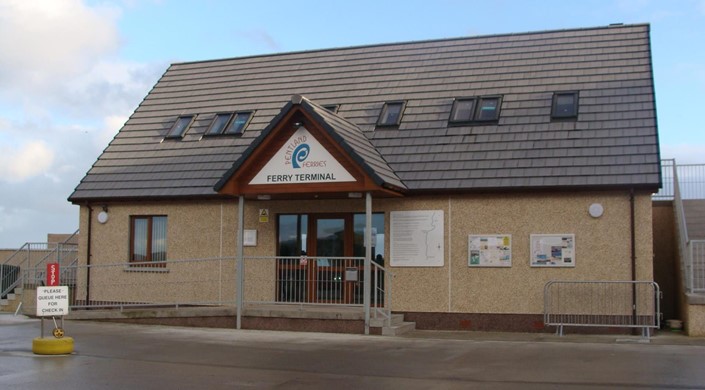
(239, 122)
(565, 105)
(488, 109)
(332, 107)
(391, 114)
(219, 123)
(180, 126)
(229, 123)
(475, 109)
(463, 110)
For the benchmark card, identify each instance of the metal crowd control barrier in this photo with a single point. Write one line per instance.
(619, 304)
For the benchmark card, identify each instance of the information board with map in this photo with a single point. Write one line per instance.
(416, 238)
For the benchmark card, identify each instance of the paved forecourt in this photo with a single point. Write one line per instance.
(119, 356)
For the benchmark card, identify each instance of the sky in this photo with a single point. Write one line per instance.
(73, 71)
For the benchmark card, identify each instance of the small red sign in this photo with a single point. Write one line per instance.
(52, 274)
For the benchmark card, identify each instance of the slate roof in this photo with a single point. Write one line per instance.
(613, 142)
(344, 132)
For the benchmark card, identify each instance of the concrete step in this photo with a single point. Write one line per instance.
(397, 330)
(4, 302)
(19, 291)
(11, 296)
(381, 322)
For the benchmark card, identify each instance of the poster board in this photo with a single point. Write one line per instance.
(553, 250)
(416, 238)
(493, 250)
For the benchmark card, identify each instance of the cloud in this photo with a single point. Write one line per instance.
(44, 41)
(30, 160)
(261, 37)
(64, 96)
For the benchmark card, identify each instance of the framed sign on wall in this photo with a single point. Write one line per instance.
(553, 250)
(493, 250)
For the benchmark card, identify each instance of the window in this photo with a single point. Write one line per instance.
(332, 107)
(488, 109)
(391, 114)
(463, 110)
(180, 126)
(148, 239)
(229, 123)
(475, 109)
(218, 124)
(239, 122)
(565, 105)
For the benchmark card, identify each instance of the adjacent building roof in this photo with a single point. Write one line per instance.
(611, 143)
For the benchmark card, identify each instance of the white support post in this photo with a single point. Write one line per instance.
(368, 260)
(240, 259)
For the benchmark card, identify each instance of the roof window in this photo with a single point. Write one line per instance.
(463, 110)
(239, 122)
(229, 123)
(391, 114)
(488, 109)
(180, 126)
(332, 107)
(219, 123)
(565, 105)
(475, 109)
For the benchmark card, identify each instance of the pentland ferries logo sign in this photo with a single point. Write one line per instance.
(302, 159)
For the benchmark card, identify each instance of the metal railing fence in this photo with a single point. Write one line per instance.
(623, 304)
(212, 282)
(193, 282)
(35, 256)
(316, 281)
(691, 178)
(696, 266)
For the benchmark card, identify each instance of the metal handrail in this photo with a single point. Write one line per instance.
(13, 279)
(683, 241)
(384, 290)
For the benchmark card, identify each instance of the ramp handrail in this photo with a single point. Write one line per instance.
(10, 276)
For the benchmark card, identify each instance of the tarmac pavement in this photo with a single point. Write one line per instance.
(122, 356)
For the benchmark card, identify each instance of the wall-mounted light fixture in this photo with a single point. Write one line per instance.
(596, 210)
(103, 215)
(264, 197)
(355, 195)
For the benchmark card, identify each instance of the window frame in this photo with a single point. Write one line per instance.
(250, 114)
(554, 105)
(209, 132)
(171, 135)
(332, 107)
(453, 109)
(478, 108)
(149, 262)
(385, 107)
(231, 119)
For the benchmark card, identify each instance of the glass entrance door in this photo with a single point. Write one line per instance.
(329, 266)
(315, 264)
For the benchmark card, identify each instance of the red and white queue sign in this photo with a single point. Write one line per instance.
(52, 299)
(52, 274)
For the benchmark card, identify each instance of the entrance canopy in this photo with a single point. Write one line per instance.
(310, 151)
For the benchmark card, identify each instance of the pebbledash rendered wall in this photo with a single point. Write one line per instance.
(207, 229)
